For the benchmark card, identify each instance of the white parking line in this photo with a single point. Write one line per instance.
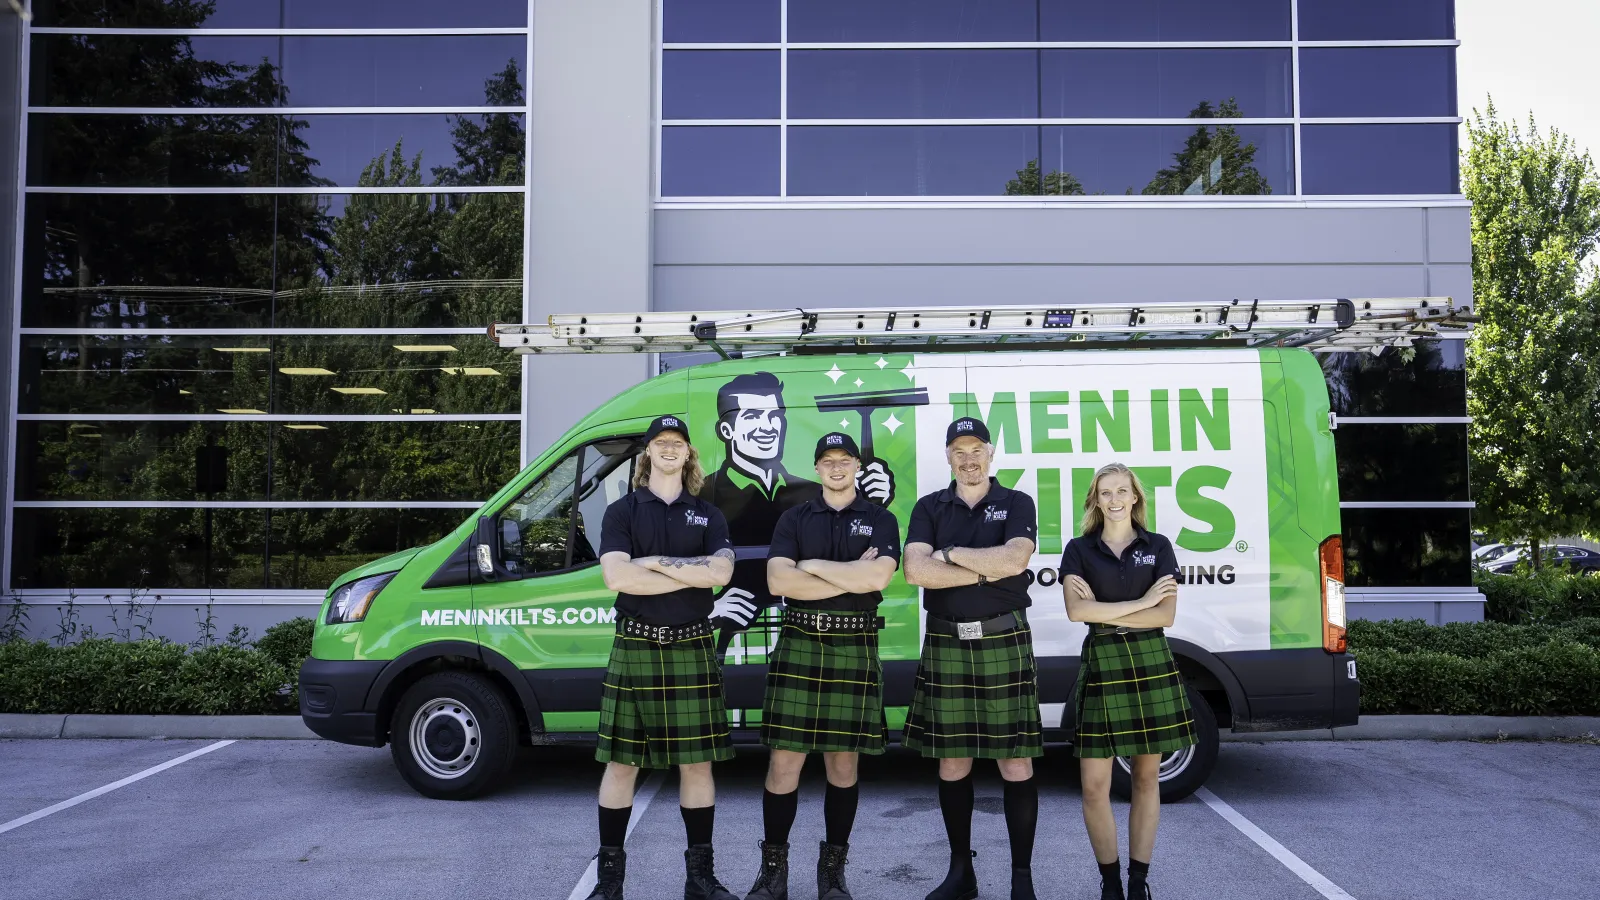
(1279, 852)
(641, 802)
(90, 795)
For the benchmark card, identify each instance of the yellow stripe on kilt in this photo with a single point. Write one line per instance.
(822, 680)
(1134, 731)
(812, 730)
(832, 633)
(945, 734)
(980, 687)
(696, 737)
(1145, 678)
(664, 687)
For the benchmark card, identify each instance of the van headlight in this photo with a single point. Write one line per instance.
(351, 602)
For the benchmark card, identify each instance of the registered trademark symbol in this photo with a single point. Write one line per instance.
(1241, 546)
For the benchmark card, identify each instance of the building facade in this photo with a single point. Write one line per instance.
(254, 245)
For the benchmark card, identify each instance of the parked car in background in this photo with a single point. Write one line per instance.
(1575, 559)
(1490, 552)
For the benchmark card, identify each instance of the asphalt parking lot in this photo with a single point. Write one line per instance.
(307, 819)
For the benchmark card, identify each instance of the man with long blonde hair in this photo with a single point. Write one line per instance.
(663, 549)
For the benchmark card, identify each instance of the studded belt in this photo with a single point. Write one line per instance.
(971, 631)
(833, 621)
(1117, 629)
(662, 634)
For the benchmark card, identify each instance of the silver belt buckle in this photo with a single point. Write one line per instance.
(822, 622)
(969, 631)
(662, 635)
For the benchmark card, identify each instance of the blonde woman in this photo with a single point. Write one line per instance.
(1121, 578)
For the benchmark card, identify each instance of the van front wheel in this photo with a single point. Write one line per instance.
(1182, 771)
(453, 735)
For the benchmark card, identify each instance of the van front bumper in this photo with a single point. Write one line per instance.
(333, 699)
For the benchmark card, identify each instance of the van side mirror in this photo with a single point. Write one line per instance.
(486, 547)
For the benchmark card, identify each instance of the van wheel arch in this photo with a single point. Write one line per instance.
(1202, 669)
(444, 656)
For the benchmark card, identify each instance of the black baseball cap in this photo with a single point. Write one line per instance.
(966, 426)
(836, 440)
(667, 423)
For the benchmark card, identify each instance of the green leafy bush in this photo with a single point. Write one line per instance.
(1557, 678)
(1468, 639)
(151, 677)
(288, 643)
(1549, 596)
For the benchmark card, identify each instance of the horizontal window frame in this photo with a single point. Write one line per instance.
(118, 596)
(268, 417)
(1099, 120)
(1408, 504)
(1047, 45)
(270, 110)
(252, 332)
(1401, 420)
(1307, 201)
(247, 504)
(285, 190)
(273, 32)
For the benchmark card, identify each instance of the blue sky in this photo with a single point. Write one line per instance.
(1532, 55)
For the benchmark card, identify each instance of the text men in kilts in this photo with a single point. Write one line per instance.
(662, 549)
(1121, 578)
(831, 558)
(968, 546)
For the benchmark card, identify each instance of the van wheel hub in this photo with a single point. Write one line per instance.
(1171, 763)
(444, 738)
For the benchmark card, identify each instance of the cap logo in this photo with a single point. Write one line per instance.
(963, 426)
(835, 439)
(668, 420)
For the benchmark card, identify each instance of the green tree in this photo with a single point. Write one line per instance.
(1031, 181)
(1214, 159)
(1533, 364)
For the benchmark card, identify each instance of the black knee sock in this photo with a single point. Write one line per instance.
(1022, 819)
(1138, 872)
(777, 814)
(698, 822)
(1111, 872)
(839, 812)
(614, 826)
(955, 801)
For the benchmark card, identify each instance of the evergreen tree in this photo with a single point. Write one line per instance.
(1030, 182)
(1214, 160)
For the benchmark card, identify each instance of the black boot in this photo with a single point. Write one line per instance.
(1111, 889)
(1022, 884)
(700, 882)
(830, 871)
(1138, 890)
(961, 882)
(610, 865)
(773, 881)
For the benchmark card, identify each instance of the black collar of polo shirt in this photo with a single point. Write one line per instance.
(646, 495)
(859, 504)
(1140, 536)
(997, 491)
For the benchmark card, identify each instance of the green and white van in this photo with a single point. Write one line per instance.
(498, 634)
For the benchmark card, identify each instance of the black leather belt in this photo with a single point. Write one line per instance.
(833, 621)
(969, 631)
(662, 634)
(1098, 628)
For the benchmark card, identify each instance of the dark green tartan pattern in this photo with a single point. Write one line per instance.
(1130, 698)
(824, 692)
(976, 699)
(662, 704)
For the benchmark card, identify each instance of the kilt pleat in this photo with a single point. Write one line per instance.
(824, 692)
(1130, 698)
(662, 704)
(976, 699)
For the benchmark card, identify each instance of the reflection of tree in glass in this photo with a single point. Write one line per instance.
(1213, 160)
(1030, 182)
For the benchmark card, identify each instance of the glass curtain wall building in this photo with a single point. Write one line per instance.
(258, 245)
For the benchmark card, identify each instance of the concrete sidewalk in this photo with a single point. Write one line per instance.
(1372, 728)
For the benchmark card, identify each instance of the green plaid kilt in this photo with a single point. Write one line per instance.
(824, 692)
(1130, 698)
(976, 699)
(662, 705)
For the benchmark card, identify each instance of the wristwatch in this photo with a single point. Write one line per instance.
(983, 579)
(945, 553)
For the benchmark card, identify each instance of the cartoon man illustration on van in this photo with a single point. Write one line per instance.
(752, 488)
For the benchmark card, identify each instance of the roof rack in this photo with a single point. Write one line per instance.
(1323, 325)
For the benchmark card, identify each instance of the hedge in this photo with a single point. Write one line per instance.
(1544, 597)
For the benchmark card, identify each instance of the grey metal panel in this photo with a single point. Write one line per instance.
(590, 184)
(10, 121)
(1452, 280)
(1450, 235)
(680, 288)
(180, 621)
(1083, 234)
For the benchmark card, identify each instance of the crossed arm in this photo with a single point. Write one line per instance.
(966, 563)
(819, 579)
(664, 574)
(1156, 609)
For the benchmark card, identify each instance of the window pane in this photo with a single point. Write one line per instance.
(1163, 159)
(1407, 547)
(542, 517)
(1379, 159)
(719, 161)
(323, 375)
(1433, 383)
(1378, 81)
(1402, 462)
(912, 20)
(915, 84)
(456, 149)
(705, 21)
(444, 70)
(607, 478)
(393, 460)
(1166, 83)
(1164, 20)
(117, 70)
(1343, 20)
(312, 547)
(719, 84)
(405, 14)
(217, 14)
(89, 460)
(160, 261)
(151, 548)
(908, 160)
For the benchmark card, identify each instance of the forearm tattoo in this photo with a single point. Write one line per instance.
(678, 562)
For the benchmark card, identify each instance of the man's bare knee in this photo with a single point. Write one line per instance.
(841, 768)
(1016, 769)
(954, 769)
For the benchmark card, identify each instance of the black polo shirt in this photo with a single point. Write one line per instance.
(641, 525)
(942, 520)
(815, 530)
(1117, 579)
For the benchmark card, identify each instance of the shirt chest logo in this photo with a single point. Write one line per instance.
(693, 520)
(1143, 559)
(991, 514)
(859, 528)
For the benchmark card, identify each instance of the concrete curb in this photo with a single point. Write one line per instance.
(1372, 728)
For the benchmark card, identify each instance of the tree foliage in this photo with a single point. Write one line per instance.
(1214, 159)
(1533, 366)
(1030, 182)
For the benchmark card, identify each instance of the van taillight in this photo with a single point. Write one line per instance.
(1332, 557)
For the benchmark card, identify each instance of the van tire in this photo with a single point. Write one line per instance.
(1195, 764)
(453, 735)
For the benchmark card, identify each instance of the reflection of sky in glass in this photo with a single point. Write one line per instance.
(1164, 20)
(1344, 20)
(912, 20)
(907, 160)
(1378, 159)
(913, 84)
(344, 145)
(1083, 84)
(720, 84)
(396, 71)
(297, 14)
(704, 21)
(1377, 81)
(1113, 159)
(719, 161)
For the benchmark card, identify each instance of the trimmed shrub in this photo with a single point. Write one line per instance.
(1557, 678)
(1467, 639)
(1549, 596)
(150, 677)
(288, 643)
